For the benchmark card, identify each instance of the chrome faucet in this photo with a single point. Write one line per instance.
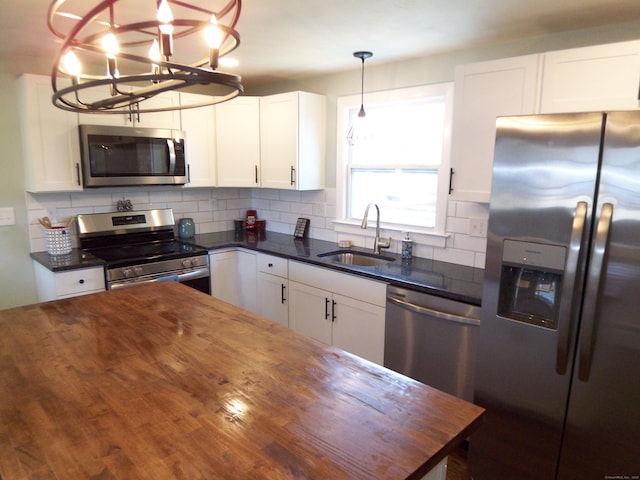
(378, 243)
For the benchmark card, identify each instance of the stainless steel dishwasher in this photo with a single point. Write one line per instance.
(431, 339)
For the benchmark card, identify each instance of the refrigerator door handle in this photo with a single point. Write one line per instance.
(570, 289)
(593, 292)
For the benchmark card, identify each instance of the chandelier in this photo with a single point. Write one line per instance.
(115, 57)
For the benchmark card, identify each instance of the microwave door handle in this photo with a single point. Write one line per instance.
(568, 310)
(172, 156)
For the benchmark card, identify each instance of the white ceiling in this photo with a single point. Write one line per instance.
(289, 39)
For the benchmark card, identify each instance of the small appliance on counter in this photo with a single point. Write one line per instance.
(407, 247)
(250, 219)
(186, 228)
(254, 224)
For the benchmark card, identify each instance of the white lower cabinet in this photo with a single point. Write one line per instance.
(273, 288)
(68, 283)
(352, 320)
(247, 280)
(233, 277)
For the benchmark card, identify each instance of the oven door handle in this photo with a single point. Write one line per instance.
(193, 274)
(181, 277)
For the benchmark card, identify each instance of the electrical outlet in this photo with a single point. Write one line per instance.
(478, 227)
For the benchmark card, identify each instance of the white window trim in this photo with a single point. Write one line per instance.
(435, 237)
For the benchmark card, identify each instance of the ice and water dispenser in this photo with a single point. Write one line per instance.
(530, 282)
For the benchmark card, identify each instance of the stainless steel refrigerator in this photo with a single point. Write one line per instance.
(558, 366)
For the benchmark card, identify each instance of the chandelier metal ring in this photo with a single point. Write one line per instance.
(147, 75)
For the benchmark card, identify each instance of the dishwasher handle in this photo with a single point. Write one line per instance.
(434, 313)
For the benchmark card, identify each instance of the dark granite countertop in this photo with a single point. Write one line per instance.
(448, 280)
(72, 261)
(444, 279)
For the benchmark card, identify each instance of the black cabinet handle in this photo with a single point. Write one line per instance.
(326, 308)
(293, 175)
(256, 174)
(333, 311)
(451, 172)
(283, 299)
(78, 173)
(81, 281)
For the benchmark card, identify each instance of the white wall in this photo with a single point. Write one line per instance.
(17, 285)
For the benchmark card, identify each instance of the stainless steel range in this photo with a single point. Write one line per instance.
(140, 246)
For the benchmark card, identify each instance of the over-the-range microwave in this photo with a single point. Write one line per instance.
(128, 156)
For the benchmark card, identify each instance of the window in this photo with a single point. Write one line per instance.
(396, 157)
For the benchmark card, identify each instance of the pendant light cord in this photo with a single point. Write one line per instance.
(362, 86)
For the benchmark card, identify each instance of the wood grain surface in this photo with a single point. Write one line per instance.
(162, 381)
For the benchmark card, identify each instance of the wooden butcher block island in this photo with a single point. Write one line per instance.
(162, 381)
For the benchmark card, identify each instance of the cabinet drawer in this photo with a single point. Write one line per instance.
(73, 282)
(354, 286)
(273, 265)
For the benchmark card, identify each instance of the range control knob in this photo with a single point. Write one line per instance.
(126, 272)
(138, 271)
(186, 262)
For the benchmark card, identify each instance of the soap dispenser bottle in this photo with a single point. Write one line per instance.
(407, 247)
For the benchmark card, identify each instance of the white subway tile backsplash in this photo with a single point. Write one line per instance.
(453, 255)
(301, 208)
(214, 209)
(466, 242)
(266, 194)
(472, 210)
(290, 195)
(458, 225)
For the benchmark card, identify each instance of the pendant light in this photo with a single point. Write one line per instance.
(362, 56)
(351, 135)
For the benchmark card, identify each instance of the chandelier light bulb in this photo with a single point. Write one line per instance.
(71, 64)
(154, 52)
(213, 34)
(164, 12)
(110, 45)
(214, 37)
(165, 17)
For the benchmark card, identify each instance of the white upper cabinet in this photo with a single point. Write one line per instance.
(238, 142)
(483, 92)
(293, 141)
(50, 140)
(200, 142)
(604, 77)
(168, 119)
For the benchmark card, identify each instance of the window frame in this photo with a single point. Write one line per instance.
(436, 235)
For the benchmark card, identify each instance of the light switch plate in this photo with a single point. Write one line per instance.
(7, 216)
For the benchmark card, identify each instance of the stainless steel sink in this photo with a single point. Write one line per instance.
(359, 259)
